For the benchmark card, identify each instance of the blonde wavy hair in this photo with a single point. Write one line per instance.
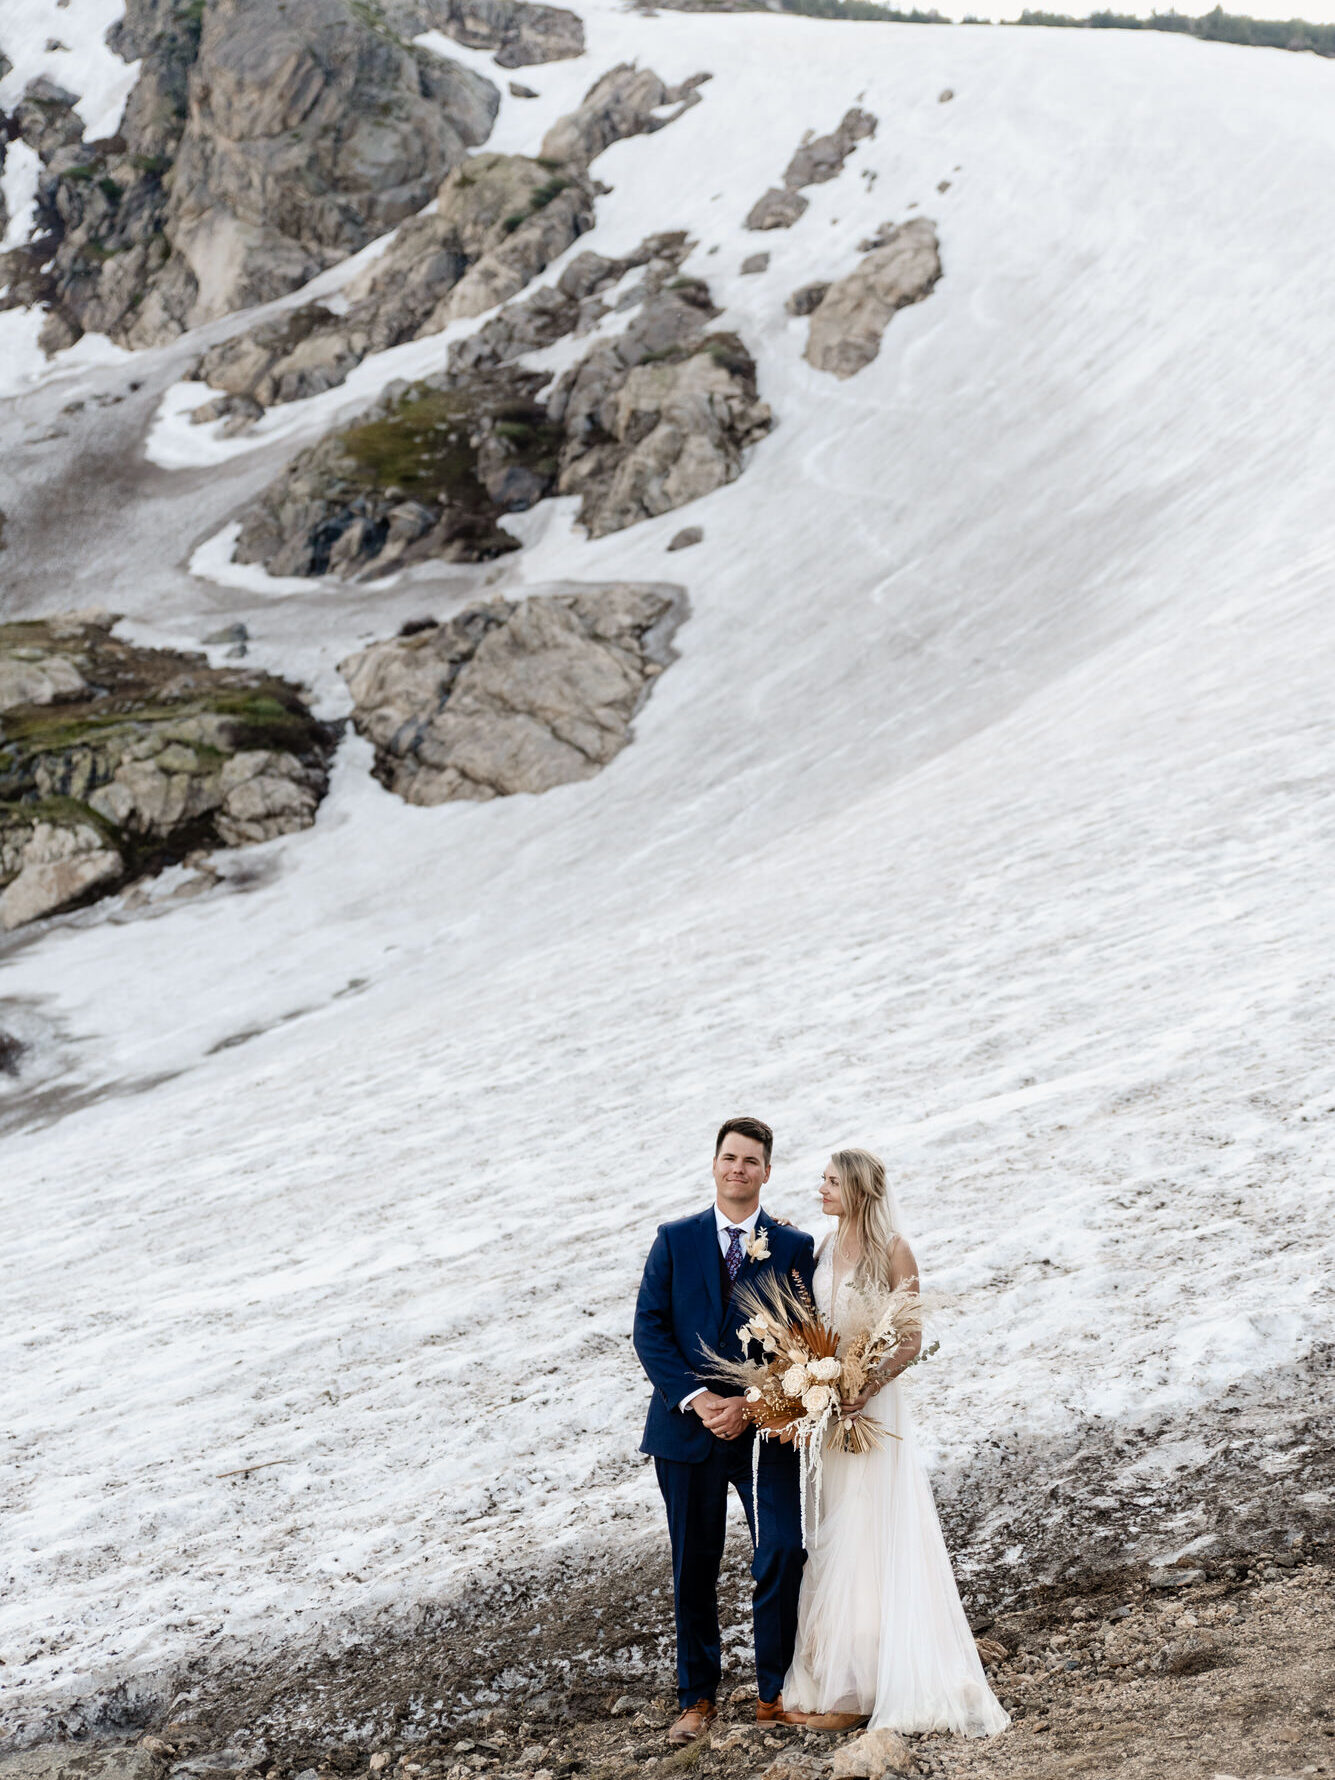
(870, 1213)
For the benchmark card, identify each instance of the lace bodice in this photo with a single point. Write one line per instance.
(823, 1282)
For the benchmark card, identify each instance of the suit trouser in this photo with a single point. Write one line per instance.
(696, 1497)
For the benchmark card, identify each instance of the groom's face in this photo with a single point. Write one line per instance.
(740, 1171)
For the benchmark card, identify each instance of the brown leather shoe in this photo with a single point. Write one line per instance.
(834, 1721)
(772, 1712)
(692, 1721)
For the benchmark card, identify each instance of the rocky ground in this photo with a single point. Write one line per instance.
(1226, 1670)
(117, 760)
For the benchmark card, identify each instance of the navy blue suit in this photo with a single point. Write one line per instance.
(685, 1301)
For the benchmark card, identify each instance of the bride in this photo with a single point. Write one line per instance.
(881, 1633)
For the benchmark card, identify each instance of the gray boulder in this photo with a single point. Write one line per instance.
(116, 760)
(807, 297)
(846, 327)
(512, 697)
(821, 158)
(778, 208)
(623, 102)
(816, 160)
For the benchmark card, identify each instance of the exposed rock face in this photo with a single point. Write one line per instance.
(816, 160)
(807, 297)
(499, 220)
(252, 155)
(658, 415)
(519, 34)
(622, 103)
(648, 420)
(847, 323)
(512, 697)
(115, 760)
(572, 306)
(428, 472)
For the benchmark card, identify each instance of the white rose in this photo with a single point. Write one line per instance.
(825, 1371)
(795, 1381)
(817, 1399)
(753, 1395)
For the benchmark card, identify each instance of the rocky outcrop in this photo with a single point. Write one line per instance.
(847, 324)
(572, 305)
(623, 102)
(657, 416)
(647, 421)
(427, 472)
(816, 160)
(498, 221)
(257, 148)
(512, 697)
(517, 33)
(116, 760)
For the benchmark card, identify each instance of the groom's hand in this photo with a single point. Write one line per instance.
(723, 1416)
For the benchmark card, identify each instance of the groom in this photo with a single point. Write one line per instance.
(699, 1437)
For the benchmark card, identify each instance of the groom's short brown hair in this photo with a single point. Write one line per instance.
(756, 1129)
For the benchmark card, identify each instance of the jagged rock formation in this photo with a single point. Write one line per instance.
(816, 160)
(623, 102)
(519, 34)
(572, 305)
(427, 472)
(115, 760)
(657, 416)
(499, 220)
(648, 420)
(512, 697)
(847, 323)
(257, 148)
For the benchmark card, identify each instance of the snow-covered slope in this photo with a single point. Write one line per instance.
(986, 818)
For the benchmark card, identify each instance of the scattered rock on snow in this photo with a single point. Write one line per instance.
(624, 102)
(755, 262)
(512, 697)
(129, 758)
(846, 326)
(776, 209)
(687, 536)
(519, 91)
(945, 95)
(807, 297)
(816, 160)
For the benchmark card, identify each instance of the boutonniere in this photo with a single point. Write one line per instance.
(757, 1247)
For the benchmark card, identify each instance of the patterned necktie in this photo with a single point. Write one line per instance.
(733, 1259)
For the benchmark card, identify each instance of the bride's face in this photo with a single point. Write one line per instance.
(831, 1197)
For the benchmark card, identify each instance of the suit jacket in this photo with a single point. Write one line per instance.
(681, 1306)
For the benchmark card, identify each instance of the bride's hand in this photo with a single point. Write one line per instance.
(855, 1406)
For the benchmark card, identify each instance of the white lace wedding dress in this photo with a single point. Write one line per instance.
(880, 1627)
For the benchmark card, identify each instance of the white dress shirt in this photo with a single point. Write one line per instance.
(724, 1224)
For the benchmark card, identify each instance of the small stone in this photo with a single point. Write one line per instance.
(871, 1756)
(683, 540)
(943, 185)
(945, 95)
(1169, 1579)
(233, 633)
(740, 1694)
(626, 1703)
(777, 209)
(807, 297)
(519, 91)
(755, 262)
